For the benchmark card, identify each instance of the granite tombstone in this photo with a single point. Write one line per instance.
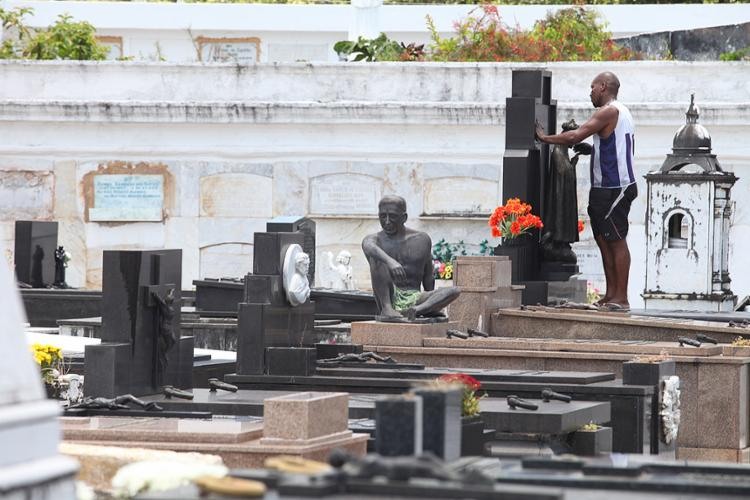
(141, 349)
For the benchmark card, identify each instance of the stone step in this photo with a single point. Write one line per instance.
(547, 322)
(635, 347)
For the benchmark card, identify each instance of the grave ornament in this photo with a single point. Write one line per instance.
(296, 285)
(561, 202)
(549, 394)
(402, 468)
(215, 383)
(356, 358)
(339, 275)
(116, 403)
(61, 262)
(516, 402)
(401, 268)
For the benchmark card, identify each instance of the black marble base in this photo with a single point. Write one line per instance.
(290, 361)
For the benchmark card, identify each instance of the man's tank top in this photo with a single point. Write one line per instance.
(612, 158)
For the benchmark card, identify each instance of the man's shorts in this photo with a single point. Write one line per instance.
(609, 209)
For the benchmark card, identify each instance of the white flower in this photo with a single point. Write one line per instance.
(159, 475)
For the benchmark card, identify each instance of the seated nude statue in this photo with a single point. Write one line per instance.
(401, 267)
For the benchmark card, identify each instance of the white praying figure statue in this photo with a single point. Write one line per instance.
(340, 275)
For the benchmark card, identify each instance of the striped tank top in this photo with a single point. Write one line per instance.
(612, 158)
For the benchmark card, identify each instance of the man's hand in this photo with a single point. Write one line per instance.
(397, 271)
(539, 132)
(582, 148)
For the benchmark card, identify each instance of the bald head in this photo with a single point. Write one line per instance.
(610, 80)
(604, 88)
(392, 199)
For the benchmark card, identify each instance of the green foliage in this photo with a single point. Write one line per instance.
(572, 34)
(375, 49)
(66, 39)
(16, 33)
(736, 55)
(445, 252)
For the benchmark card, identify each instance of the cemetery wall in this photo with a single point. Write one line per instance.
(287, 33)
(149, 155)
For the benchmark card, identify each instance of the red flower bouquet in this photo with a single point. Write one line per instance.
(513, 219)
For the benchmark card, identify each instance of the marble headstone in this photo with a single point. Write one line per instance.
(30, 466)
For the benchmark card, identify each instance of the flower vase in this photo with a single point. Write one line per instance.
(472, 436)
(524, 256)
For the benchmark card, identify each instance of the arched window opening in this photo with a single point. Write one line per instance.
(678, 229)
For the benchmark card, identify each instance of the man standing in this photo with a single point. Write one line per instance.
(613, 186)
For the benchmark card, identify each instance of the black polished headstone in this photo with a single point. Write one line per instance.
(441, 422)
(131, 316)
(290, 361)
(34, 252)
(269, 250)
(398, 425)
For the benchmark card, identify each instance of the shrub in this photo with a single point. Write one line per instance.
(66, 39)
(572, 34)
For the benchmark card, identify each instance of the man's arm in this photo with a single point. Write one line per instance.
(603, 119)
(373, 251)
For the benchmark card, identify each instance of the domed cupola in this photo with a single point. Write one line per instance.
(691, 145)
(688, 220)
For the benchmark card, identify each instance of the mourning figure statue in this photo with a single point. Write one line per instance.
(561, 204)
(401, 267)
(116, 403)
(60, 266)
(165, 338)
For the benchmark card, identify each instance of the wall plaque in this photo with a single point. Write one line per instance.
(345, 194)
(126, 198)
(460, 196)
(242, 50)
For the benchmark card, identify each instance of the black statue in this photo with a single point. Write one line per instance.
(403, 468)
(561, 204)
(357, 358)
(401, 267)
(116, 403)
(548, 395)
(60, 268)
(215, 383)
(37, 279)
(165, 338)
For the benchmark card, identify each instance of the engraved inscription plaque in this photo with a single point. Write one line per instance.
(128, 198)
(345, 194)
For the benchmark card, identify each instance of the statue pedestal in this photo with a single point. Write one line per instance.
(378, 333)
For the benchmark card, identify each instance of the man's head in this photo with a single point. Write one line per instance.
(604, 88)
(302, 263)
(392, 214)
